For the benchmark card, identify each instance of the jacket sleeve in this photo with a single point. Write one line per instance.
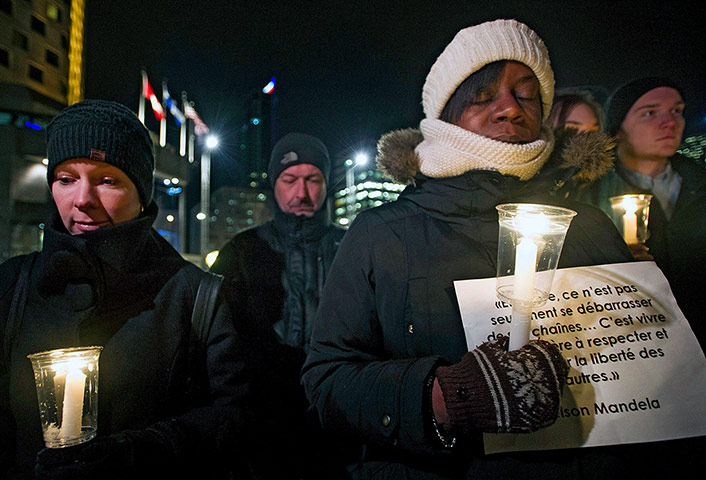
(349, 376)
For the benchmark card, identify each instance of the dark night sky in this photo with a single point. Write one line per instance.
(349, 71)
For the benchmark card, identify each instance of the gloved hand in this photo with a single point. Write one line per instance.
(106, 457)
(496, 391)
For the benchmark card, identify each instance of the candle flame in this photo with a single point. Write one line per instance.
(629, 205)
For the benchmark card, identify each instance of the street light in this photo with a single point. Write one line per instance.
(211, 143)
(361, 159)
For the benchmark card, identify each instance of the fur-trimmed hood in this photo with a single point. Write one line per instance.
(582, 157)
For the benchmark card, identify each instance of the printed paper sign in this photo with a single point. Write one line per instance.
(637, 371)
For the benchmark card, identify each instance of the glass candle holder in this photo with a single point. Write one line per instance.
(631, 214)
(530, 240)
(67, 391)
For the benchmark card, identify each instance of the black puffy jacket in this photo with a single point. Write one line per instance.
(389, 316)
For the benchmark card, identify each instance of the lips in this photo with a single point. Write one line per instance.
(88, 226)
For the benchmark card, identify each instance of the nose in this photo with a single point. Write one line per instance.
(85, 196)
(301, 190)
(506, 108)
(668, 119)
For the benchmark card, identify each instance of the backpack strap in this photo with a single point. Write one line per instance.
(204, 305)
(201, 322)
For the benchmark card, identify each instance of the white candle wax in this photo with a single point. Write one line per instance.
(525, 269)
(73, 405)
(630, 228)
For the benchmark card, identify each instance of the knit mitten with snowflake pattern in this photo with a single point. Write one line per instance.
(496, 391)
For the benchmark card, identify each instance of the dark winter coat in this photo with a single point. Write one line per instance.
(273, 277)
(126, 289)
(389, 315)
(679, 244)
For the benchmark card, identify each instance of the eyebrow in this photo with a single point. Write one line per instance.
(574, 122)
(655, 105)
(528, 78)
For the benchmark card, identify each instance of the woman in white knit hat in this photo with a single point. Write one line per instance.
(388, 360)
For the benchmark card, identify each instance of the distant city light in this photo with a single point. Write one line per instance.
(269, 88)
(45, 161)
(171, 191)
(35, 126)
(167, 182)
(170, 218)
(201, 216)
(255, 121)
(175, 181)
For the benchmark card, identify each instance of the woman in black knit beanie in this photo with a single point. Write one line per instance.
(170, 403)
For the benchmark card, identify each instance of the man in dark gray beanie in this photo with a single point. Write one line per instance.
(274, 275)
(646, 116)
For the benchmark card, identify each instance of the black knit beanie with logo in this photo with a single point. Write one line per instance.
(623, 98)
(106, 132)
(296, 148)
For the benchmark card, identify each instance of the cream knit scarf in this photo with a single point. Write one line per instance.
(449, 150)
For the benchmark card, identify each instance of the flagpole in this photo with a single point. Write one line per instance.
(163, 121)
(141, 108)
(185, 102)
(182, 132)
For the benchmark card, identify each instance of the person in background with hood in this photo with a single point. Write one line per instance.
(172, 403)
(388, 360)
(274, 276)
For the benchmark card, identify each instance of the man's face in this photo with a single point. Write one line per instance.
(654, 125)
(509, 110)
(300, 189)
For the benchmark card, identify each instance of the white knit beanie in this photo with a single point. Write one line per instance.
(474, 47)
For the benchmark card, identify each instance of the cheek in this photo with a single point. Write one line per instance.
(121, 207)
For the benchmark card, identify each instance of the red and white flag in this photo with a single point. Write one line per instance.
(200, 127)
(149, 94)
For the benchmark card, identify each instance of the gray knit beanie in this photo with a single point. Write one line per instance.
(296, 148)
(103, 131)
(474, 47)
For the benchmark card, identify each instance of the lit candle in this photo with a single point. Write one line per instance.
(630, 227)
(73, 405)
(525, 269)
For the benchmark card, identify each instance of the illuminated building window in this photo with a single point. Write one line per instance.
(54, 13)
(52, 58)
(38, 26)
(35, 74)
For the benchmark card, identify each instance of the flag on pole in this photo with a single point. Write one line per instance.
(200, 127)
(173, 108)
(148, 93)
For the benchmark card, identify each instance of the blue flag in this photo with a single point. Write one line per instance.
(178, 115)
